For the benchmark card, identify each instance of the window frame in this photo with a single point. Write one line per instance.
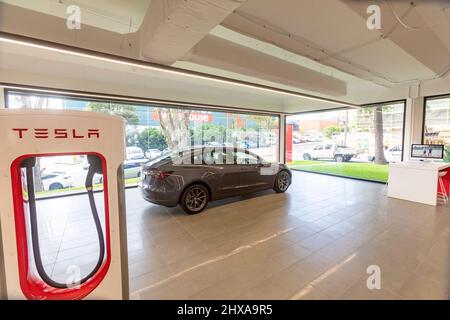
(144, 102)
(424, 110)
(402, 101)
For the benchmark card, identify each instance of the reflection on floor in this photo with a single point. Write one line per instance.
(317, 241)
(67, 235)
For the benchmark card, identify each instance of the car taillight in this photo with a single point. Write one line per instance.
(160, 175)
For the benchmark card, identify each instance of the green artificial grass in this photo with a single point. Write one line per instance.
(367, 171)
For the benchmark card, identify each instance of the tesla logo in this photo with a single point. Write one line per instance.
(43, 133)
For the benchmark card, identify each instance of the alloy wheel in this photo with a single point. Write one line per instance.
(283, 181)
(196, 198)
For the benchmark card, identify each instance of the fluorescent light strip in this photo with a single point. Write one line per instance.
(169, 70)
(168, 103)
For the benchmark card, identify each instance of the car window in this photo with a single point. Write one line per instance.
(48, 176)
(318, 148)
(197, 158)
(328, 147)
(245, 158)
(223, 157)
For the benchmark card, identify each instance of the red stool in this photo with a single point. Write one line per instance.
(442, 191)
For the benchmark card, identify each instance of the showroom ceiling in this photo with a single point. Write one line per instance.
(320, 48)
(121, 16)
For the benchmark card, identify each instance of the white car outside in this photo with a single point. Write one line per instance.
(393, 154)
(56, 181)
(152, 153)
(330, 151)
(134, 153)
(131, 169)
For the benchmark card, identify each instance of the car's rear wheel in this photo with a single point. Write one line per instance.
(338, 158)
(282, 182)
(194, 199)
(56, 186)
(306, 156)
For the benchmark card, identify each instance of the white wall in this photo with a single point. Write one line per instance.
(413, 124)
(2, 98)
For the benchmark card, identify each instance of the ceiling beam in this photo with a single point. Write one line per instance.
(172, 27)
(409, 26)
(27, 42)
(219, 53)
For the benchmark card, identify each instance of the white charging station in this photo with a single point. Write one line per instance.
(27, 134)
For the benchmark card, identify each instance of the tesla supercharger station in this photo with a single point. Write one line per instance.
(93, 213)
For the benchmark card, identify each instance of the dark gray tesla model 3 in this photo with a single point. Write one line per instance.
(193, 177)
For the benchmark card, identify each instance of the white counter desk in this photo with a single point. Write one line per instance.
(415, 180)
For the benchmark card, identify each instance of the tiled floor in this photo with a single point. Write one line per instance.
(314, 242)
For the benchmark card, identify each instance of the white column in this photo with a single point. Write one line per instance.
(282, 146)
(2, 98)
(413, 124)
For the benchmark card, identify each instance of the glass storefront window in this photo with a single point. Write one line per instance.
(355, 143)
(437, 123)
(153, 130)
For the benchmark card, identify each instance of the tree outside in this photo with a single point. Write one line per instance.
(175, 126)
(152, 138)
(126, 111)
(379, 135)
(25, 101)
(376, 114)
(331, 130)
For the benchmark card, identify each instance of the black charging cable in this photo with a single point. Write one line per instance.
(95, 166)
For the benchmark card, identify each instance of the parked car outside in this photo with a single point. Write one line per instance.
(393, 154)
(199, 175)
(296, 140)
(133, 153)
(131, 169)
(312, 138)
(248, 144)
(56, 180)
(153, 153)
(330, 151)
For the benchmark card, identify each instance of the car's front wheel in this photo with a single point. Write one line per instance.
(306, 156)
(282, 182)
(194, 199)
